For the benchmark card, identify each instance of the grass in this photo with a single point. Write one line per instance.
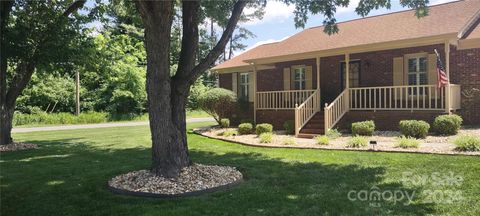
(407, 142)
(357, 142)
(55, 119)
(67, 176)
(322, 140)
(468, 143)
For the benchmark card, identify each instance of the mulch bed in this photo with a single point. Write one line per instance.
(386, 141)
(17, 146)
(193, 180)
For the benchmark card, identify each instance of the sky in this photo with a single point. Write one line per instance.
(278, 24)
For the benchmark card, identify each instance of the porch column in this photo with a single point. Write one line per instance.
(318, 83)
(447, 71)
(254, 94)
(347, 79)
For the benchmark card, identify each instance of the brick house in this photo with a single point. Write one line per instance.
(392, 72)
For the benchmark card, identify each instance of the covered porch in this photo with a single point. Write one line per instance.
(317, 110)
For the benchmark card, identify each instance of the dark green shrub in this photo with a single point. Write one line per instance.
(224, 123)
(468, 143)
(245, 128)
(217, 102)
(447, 124)
(414, 128)
(263, 128)
(364, 128)
(289, 126)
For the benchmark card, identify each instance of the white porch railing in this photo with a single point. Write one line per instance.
(335, 111)
(305, 111)
(419, 97)
(278, 100)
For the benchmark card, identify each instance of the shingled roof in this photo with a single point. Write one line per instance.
(449, 18)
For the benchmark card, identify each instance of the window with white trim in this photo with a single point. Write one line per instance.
(244, 84)
(299, 78)
(417, 72)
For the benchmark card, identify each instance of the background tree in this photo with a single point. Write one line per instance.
(37, 33)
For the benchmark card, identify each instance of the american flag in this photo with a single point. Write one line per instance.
(442, 79)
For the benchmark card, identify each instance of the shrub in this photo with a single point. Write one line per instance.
(357, 142)
(230, 132)
(245, 128)
(263, 128)
(414, 128)
(333, 134)
(364, 128)
(407, 142)
(266, 137)
(217, 102)
(468, 143)
(322, 140)
(225, 123)
(289, 126)
(447, 124)
(43, 118)
(289, 141)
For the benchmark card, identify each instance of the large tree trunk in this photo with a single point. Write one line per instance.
(6, 119)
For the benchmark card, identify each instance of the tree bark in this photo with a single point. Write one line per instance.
(167, 95)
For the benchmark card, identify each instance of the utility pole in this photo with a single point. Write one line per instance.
(77, 93)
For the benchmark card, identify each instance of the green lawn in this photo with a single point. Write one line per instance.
(68, 176)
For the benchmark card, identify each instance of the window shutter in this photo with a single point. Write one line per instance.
(234, 83)
(286, 78)
(398, 72)
(250, 87)
(432, 69)
(308, 77)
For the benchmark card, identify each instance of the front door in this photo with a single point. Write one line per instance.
(354, 75)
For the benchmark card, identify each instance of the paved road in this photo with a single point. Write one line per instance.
(102, 125)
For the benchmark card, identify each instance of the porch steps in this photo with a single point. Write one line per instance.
(313, 127)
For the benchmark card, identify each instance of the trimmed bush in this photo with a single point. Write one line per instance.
(364, 128)
(357, 142)
(289, 126)
(225, 123)
(289, 141)
(468, 143)
(414, 128)
(447, 124)
(322, 140)
(230, 132)
(266, 137)
(407, 142)
(245, 128)
(263, 128)
(217, 102)
(333, 134)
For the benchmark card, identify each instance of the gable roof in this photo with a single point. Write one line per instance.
(444, 19)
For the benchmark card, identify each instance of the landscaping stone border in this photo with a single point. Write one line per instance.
(198, 131)
(173, 196)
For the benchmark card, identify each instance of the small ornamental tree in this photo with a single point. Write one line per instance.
(217, 102)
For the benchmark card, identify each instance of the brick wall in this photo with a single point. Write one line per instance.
(276, 118)
(385, 120)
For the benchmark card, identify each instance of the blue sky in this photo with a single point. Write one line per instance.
(278, 23)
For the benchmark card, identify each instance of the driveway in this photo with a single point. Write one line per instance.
(102, 125)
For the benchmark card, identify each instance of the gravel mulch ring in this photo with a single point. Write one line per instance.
(386, 141)
(16, 146)
(193, 180)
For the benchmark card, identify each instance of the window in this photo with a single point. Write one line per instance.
(244, 84)
(299, 78)
(417, 73)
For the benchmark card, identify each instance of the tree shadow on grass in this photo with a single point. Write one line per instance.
(68, 176)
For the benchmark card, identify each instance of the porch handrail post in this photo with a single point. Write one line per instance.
(254, 94)
(447, 71)
(347, 80)
(318, 84)
(297, 125)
